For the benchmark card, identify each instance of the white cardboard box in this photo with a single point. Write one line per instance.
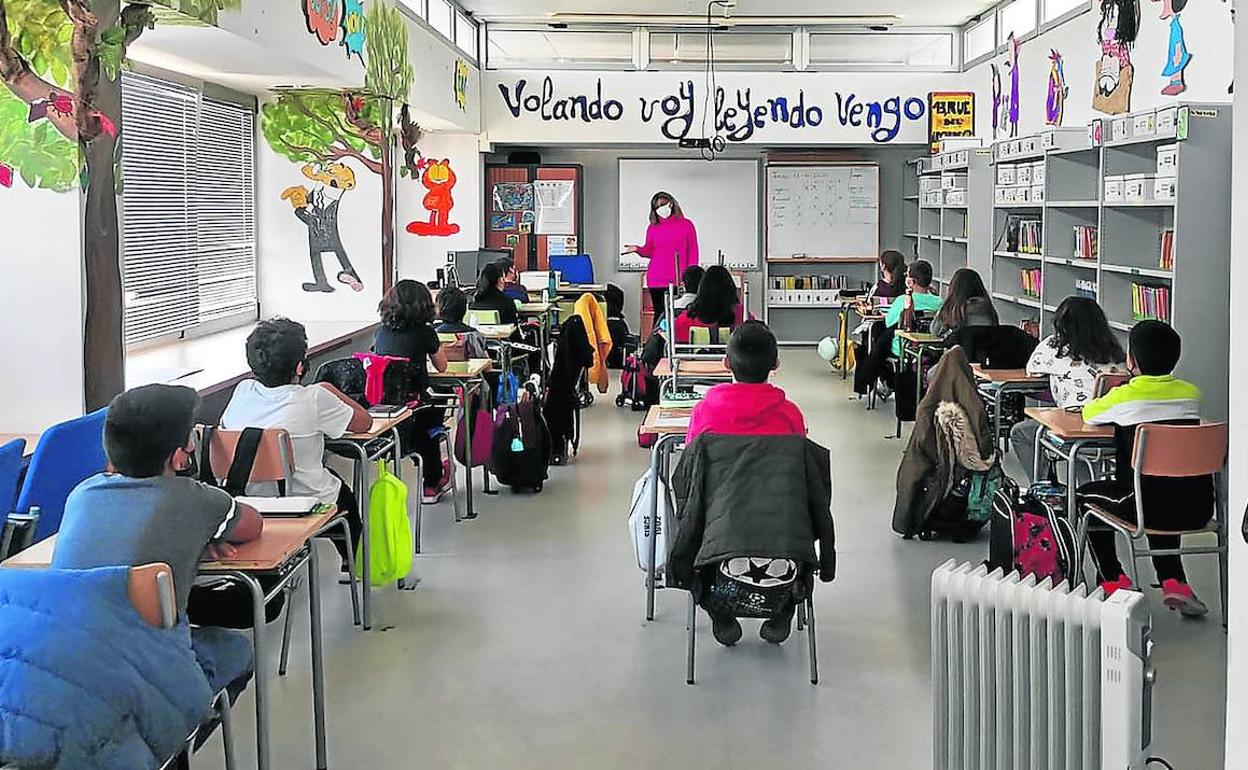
(1114, 189)
(1022, 175)
(1167, 120)
(1168, 160)
(1005, 174)
(1037, 193)
(999, 195)
(1121, 129)
(1137, 188)
(1038, 173)
(955, 197)
(1144, 124)
(1165, 188)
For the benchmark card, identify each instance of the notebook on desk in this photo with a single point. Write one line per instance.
(386, 411)
(281, 506)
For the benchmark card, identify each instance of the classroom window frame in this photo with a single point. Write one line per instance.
(418, 13)
(637, 49)
(954, 35)
(993, 16)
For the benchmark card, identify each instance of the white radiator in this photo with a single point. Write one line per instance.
(1029, 676)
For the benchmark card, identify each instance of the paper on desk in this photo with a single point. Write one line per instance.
(280, 505)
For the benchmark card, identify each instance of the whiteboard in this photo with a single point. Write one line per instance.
(720, 197)
(823, 211)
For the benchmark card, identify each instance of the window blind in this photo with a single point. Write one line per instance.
(189, 230)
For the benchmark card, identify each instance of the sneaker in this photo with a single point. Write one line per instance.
(431, 495)
(776, 630)
(727, 630)
(1179, 596)
(1123, 583)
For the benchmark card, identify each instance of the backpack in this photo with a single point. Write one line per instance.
(389, 532)
(521, 455)
(633, 383)
(983, 489)
(1029, 535)
(639, 521)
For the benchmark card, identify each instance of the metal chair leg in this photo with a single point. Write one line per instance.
(455, 502)
(281, 666)
(810, 635)
(691, 624)
(801, 616)
(227, 729)
(353, 583)
(1133, 567)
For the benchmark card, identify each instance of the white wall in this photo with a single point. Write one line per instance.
(838, 101)
(1237, 643)
(419, 256)
(42, 381)
(1208, 34)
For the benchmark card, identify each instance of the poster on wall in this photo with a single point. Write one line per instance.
(317, 208)
(503, 222)
(1055, 100)
(513, 196)
(556, 206)
(949, 114)
(561, 246)
(1115, 32)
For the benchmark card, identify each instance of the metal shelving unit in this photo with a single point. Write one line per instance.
(952, 226)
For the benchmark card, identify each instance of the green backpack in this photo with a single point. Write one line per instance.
(390, 548)
(984, 486)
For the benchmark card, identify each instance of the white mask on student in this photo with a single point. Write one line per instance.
(664, 211)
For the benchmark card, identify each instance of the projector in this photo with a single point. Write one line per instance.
(695, 144)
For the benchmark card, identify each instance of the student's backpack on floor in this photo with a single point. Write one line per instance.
(639, 521)
(1028, 535)
(634, 388)
(521, 458)
(389, 533)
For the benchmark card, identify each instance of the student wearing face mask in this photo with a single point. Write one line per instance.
(671, 246)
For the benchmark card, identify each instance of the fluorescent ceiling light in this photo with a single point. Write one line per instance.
(696, 20)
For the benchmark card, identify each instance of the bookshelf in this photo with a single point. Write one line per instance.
(1139, 220)
(955, 190)
(910, 209)
(800, 301)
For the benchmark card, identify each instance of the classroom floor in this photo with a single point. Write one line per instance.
(526, 646)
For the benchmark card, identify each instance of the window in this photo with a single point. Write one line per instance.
(893, 49)
(442, 18)
(677, 48)
(1017, 17)
(417, 7)
(979, 40)
(529, 48)
(466, 35)
(189, 246)
(1056, 8)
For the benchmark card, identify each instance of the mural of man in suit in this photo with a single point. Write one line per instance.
(318, 209)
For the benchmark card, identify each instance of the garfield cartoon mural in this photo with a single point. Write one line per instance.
(318, 209)
(437, 177)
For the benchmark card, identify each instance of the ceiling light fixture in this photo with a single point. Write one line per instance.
(690, 20)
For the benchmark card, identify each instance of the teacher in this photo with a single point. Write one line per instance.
(671, 246)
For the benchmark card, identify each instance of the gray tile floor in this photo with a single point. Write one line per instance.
(526, 646)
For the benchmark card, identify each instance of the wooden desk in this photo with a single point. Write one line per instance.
(459, 370)
(381, 426)
(995, 384)
(1001, 376)
(1066, 425)
(650, 425)
(693, 368)
(497, 331)
(577, 289)
(1066, 434)
(920, 338)
(468, 377)
(534, 308)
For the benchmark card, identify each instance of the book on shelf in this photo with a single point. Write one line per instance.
(1150, 302)
(1167, 250)
(1085, 246)
(1085, 288)
(1023, 236)
(1031, 282)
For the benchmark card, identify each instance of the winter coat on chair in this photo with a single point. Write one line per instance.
(573, 355)
(599, 335)
(941, 435)
(764, 496)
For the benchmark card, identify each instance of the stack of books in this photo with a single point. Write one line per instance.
(1085, 242)
(1085, 289)
(1150, 302)
(1027, 238)
(1167, 250)
(1031, 282)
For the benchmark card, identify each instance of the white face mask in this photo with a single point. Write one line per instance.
(664, 211)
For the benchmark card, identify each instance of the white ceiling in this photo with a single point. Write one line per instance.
(912, 12)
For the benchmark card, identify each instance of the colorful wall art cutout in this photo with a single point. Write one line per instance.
(1055, 101)
(1116, 33)
(439, 179)
(513, 196)
(1177, 55)
(1000, 110)
(353, 33)
(6, 175)
(949, 114)
(461, 84)
(1011, 64)
(318, 210)
(503, 222)
(324, 19)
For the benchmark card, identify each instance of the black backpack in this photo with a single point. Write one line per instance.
(522, 445)
(1029, 534)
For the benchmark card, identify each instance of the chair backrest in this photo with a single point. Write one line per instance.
(1107, 382)
(575, 268)
(1180, 450)
(707, 335)
(66, 454)
(151, 592)
(478, 318)
(11, 456)
(275, 456)
(455, 346)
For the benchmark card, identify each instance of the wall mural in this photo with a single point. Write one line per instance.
(439, 179)
(330, 134)
(1011, 65)
(330, 19)
(1000, 109)
(1177, 55)
(353, 34)
(1055, 101)
(1116, 33)
(461, 84)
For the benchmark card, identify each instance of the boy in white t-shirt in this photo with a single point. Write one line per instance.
(277, 352)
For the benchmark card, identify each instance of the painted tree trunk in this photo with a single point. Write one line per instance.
(387, 209)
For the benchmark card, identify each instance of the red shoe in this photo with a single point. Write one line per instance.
(1179, 596)
(1123, 583)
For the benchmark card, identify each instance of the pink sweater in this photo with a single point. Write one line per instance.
(746, 408)
(664, 241)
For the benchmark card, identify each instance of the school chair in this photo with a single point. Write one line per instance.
(12, 463)
(574, 268)
(1169, 451)
(274, 464)
(478, 318)
(66, 454)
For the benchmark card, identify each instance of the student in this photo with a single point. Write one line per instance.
(1154, 395)
(277, 352)
(141, 510)
(490, 296)
(406, 331)
(716, 306)
(963, 287)
(892, 281)
(511, 280)
(1081, 348)
(751, 406)
(452, 307)
(691, 279)
(919, 297)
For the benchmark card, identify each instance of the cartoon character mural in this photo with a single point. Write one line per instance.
(461, 84)
(1177, 56)
(353, 35)
(438, 177)
(1011, 64)
(1055, 102)
(1116, 32)
(1000, 110)
(324, 18)
(318, 209)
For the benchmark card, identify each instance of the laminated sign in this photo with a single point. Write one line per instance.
(949, 113)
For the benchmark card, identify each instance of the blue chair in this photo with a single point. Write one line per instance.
(575, 268)
(12, 457)
(67, 454)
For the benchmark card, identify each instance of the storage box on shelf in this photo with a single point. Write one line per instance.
(953, 221)
(800, 294)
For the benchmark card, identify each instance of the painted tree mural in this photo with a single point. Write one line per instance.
(320, 128)
(60, 116)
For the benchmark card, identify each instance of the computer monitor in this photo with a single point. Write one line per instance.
(468, 264)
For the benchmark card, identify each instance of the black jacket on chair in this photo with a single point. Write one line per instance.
(763, 496)
(573, 355)
(995, 347)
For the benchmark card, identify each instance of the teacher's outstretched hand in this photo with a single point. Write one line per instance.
(671, 246)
